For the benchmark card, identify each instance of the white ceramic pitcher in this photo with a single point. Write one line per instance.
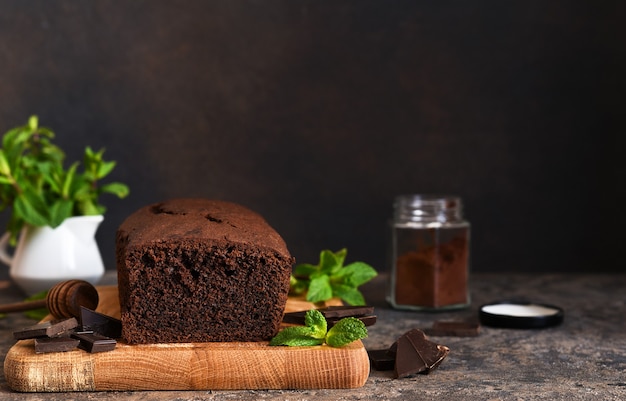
(45, 256)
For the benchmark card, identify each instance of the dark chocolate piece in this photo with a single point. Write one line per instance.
(416, 354)
(102, 324)
(367, 320)
(82, 330)
(454, 328)
(55, 344)
(46, 329)
(394, 348)
(294, 317)
(382, 359)
(408, 360)
(94, 342)
(333, 314)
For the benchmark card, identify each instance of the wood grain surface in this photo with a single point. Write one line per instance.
(186, 366)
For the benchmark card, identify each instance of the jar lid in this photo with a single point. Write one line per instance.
(520, 315)
(420, 208)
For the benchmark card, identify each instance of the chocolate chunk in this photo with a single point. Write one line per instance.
(382, 359)
(416, 354)
(55, 344)
(408, 360)
(102, 324)
(81, 330)
(367, 320)
(454, 328)
(94, 342)
(394, 348)
(46, 329)
(333, 314)
(294, 317)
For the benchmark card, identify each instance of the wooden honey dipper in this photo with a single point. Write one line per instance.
(63, 300)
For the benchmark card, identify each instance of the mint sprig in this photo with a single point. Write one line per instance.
(314, 332)
(37, 187)
(330, 278)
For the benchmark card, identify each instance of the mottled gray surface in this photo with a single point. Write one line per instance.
(583, 359)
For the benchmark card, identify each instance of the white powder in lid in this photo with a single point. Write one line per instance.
(517, 310)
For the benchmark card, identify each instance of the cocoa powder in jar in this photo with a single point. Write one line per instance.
(430, 253)
(435, 276)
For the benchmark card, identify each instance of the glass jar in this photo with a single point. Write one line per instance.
(429, 253)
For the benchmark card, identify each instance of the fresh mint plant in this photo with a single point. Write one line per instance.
(330, 278)
(39, 190)
(314, 332)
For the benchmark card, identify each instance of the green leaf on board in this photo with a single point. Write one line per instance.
(345, 331)
(315, 332)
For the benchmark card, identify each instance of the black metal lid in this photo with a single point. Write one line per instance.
(520, 315)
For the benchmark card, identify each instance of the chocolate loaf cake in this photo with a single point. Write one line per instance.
(197, 270)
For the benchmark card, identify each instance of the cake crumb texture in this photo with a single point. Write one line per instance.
(197, 270)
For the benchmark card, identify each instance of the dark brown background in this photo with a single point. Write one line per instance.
(317, 113)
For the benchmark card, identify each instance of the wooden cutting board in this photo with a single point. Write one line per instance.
(187, 366)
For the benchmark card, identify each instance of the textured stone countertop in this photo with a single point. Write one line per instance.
(582, 359)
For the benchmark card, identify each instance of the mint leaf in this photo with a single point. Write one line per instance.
(305, 269)
(116, 188)
(357, 273)
(317, 323)
(104, 169)
(319, 289)
(301, 341)
(297, 286)
(5, 169)
(59, 211)
(33, 121)
(31, 208)
(67, 182)
(350, 295)
(329, 262)
(313, 333)
(296, 336)
(340, 255)
(88, 208)
(345, 331)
